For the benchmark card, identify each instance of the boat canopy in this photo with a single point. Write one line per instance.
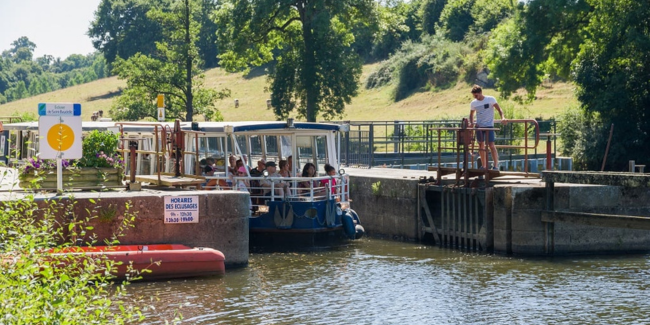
(208, 127)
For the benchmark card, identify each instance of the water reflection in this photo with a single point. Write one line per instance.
(384, 282)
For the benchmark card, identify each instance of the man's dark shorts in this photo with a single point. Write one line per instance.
(480, 136)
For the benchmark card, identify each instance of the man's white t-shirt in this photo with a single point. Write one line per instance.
(484, 111)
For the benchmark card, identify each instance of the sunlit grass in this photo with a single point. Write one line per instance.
(370, 104)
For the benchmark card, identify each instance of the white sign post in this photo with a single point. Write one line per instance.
(181, 209)
(59, 129)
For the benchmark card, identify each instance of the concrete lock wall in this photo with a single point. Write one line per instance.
(518, 228)
(222, 225)
(387, 206)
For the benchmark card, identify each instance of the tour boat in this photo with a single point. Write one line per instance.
(319, 209)
(166, 261)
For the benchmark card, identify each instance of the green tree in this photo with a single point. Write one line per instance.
(316, 69)
(207, 41)
(612, 72)
(121, 28)
(456, 19)
(175, 72)
(430, 11)
(541, 40)
(602, 45)
(22, 49)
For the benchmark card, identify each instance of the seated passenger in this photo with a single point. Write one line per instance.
(308, 171)
(267, 182)
(232, 169)
(284, 169)
(259, 170)
(330, 171)
(208, 170)
(242, 183)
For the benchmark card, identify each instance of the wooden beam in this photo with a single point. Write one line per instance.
(597, 219)
(425, 205)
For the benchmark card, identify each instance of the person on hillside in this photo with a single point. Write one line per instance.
(484, 107)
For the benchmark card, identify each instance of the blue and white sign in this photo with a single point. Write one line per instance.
(59, 109)
(181, 209)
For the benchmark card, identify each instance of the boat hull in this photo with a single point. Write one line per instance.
(164, 261)
(297, 224)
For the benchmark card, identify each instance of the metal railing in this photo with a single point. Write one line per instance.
(403, 143)
(263, 189)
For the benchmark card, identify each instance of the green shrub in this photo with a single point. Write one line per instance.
(435, 60)
(37, 287)
(100, 150)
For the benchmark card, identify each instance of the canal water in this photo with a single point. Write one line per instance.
(384, 282)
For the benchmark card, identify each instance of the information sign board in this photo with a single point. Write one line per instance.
(181, 209)
(59, 129)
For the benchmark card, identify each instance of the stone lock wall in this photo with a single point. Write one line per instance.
(387, 207)
(223, 220)
(518, 228)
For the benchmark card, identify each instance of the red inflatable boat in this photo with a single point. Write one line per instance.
(165, 261)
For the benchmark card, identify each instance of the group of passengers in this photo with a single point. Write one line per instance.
(238, 169)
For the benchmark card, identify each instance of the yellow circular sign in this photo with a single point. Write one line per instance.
(60, 137)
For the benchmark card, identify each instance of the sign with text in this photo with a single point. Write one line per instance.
(181, 209)
(59, 109)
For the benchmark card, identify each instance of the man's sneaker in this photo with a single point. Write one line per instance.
(495, 168)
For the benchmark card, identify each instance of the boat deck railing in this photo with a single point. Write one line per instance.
(292, 189)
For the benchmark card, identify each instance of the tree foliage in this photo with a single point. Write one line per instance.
(430, 11)
(121, 28)
(21, 76)
(316, 70)
(456, 19)
(174, 71)
(602, 45)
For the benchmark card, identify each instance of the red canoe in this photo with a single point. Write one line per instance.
(175, 261)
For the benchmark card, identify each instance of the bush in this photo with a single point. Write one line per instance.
(583, 137)
(434, 60)
(100, 150)
(40, 288)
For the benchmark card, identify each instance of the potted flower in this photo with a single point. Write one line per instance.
(100, 165)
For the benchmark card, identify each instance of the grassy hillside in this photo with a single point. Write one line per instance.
(369, 105)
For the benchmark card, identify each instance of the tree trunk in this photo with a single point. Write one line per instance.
(188, 65)
(309, 64)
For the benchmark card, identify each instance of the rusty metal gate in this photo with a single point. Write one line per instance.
(457, 216)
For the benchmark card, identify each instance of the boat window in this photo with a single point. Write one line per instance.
(321, 152)
(211, 147)
(312, 149)
(243, 146)
(271, 147)
(256, 153)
